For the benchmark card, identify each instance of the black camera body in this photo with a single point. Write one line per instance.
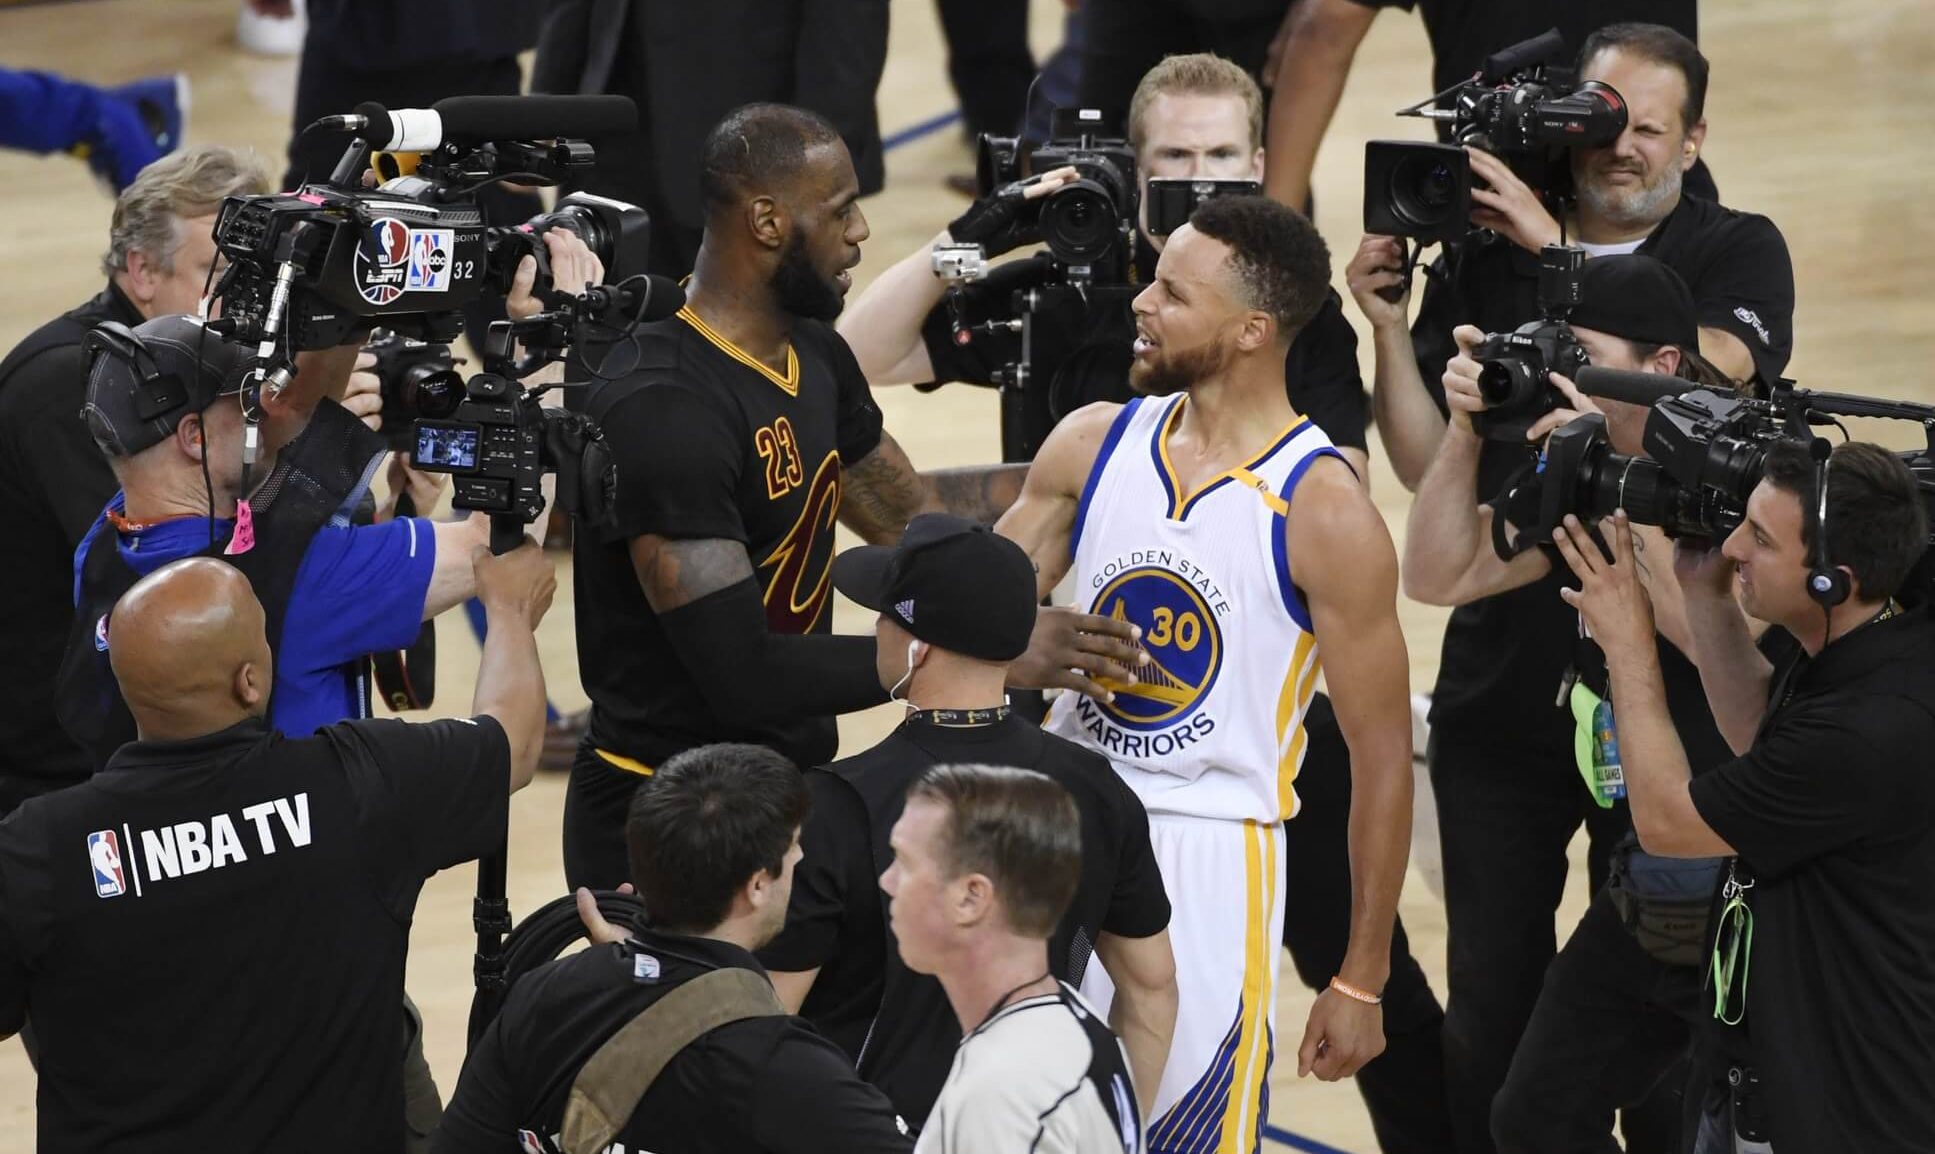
(1521, 108)
(409, 254)
(1172, 201)
(1706, 450)
(1516, 365)
(419, 381)
(1089, 223)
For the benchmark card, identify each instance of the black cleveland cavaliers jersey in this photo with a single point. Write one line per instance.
(709, 443)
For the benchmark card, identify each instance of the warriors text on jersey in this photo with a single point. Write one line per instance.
(1214, 725)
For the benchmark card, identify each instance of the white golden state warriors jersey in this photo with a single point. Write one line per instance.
(1214, 726)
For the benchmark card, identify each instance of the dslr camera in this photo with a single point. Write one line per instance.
(419, 380)
(1522, 108)
(1515, 366)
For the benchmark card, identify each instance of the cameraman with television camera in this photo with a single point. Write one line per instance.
(1828, 811)
(1195, 120)
(1619, 1002)
(1503, 825)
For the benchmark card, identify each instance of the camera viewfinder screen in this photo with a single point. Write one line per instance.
(446, 448)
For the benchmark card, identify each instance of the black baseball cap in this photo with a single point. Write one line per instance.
(952, 583)
(1636, 298)
(141, 382)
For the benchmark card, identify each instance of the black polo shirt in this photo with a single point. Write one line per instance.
(768, 1084)
(1504, 656)
(209, 935)
(1093, 347)
(53, 483)
(1464, 32)
(1833, 814)
(898, 1025)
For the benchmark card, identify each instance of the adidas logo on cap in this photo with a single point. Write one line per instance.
(906, 610)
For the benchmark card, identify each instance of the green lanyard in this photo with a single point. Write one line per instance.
(1733, 946)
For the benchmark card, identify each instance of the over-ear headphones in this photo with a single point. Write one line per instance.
(158, 393)
(1827, 585)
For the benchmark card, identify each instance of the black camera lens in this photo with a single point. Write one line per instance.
(1424, 191)
(1079, 223)
(1510, 383)
(433, 392)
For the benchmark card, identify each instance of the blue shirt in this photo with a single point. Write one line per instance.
(360, 590)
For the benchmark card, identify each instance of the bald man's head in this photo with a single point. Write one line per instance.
(190, 648)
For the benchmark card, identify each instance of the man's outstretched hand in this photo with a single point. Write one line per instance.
(1079, 651)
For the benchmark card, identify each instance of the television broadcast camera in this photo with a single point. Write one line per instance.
(1520, 107)
(1089, 223)
(1706, 450)
(1516, 366)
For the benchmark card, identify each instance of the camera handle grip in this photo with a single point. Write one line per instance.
(506, 533)
(1395, 293)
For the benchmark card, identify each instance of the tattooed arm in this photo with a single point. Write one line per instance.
(882, 492)
(710, 605)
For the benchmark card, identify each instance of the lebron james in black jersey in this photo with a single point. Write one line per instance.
(743, 433)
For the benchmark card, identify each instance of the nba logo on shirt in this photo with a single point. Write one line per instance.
(104, 851)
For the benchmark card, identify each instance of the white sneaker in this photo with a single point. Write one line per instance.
(271, 35)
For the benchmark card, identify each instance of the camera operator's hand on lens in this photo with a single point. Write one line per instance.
(1079, 651)
(1508, 207)
(1378, 269)
(363, 397)
(1611, 597)
(573, 266)
(1702, 569)
(1462, 396)
(996, 221)
(519, 582)
(1341, 1036)
(597, 930)
(1577, 405)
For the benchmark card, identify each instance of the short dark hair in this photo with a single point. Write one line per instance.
(1876, 524)
(755, 146)
(1018, 827)
(705, 823)
(1280, 258)
(1663, 46)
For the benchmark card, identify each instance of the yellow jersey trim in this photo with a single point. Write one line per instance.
(790, 383)
(1180, 503)
(620, 761)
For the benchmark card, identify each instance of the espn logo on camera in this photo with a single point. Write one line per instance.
(104, 853)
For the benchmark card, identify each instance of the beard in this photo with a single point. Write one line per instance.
(1167, 373)
(1630, 207)
(800, 289)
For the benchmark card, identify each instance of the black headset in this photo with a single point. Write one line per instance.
(1827, 585)
(158, 393)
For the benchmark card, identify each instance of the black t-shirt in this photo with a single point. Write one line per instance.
(1464, 32)
(53, 482)
(1503, 656)
(897, 1025)
(1093, 346)
(768, 1084)
(209, 935)
(709, 444)
(1833, 814)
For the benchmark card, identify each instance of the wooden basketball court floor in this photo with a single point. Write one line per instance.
(1819, 119)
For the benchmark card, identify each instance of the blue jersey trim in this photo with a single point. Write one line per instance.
(1279, 546)
(1116, 429)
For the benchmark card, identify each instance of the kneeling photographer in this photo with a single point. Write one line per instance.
(1195, 128)
(1829, 810)
(1618, 1003)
